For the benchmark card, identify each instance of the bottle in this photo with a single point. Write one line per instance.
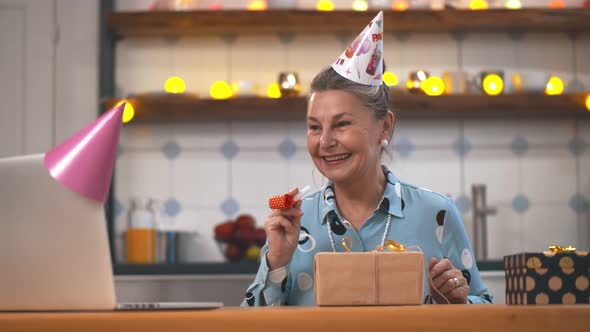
(374, 61)
(141, 232)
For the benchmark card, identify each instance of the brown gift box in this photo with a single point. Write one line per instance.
(369, 278)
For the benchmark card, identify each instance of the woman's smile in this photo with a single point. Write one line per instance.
(336, 158)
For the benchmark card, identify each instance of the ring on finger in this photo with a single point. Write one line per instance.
(456, 282)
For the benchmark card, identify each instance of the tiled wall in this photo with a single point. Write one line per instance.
(537, 171)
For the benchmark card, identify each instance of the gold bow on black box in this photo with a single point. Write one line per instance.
(558, 248)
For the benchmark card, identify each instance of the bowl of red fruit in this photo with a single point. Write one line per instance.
(239, 238)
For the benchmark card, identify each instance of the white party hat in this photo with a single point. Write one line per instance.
(362, 61)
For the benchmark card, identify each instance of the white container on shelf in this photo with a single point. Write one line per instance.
(379, 4)
(456, 82)
(534, 81)
(281, 4)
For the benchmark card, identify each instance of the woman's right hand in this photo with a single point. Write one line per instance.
(282, 233)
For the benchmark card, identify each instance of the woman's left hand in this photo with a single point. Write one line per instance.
(449, 281)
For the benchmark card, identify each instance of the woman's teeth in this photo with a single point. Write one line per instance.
(338, 157)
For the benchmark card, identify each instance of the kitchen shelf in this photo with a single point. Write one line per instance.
(179, 108)
(181, 23)
(242, 267)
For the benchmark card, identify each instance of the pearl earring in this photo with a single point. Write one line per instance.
(384, 143)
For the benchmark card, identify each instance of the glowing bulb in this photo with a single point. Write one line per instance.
(554, 86)
(389, 78)
(360, 5)
(220, 90)
(556, 4)
(235, 89)
(513, 4)
(478, 5)
(588, 102)
(174, 84)
(400, 5)
(421, 75)
(128, 111)
(273, 91)
(517, 82)
(325, 6)
(257, 5)
(216, 6)
(433, 86)
(493, 84)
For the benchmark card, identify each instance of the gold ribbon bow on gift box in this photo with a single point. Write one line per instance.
(395, 247)
(389, 244)
(558, 248)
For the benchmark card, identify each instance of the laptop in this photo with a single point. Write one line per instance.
(54, 248)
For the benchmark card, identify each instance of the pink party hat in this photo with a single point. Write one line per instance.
(84, 162)
(362, 61)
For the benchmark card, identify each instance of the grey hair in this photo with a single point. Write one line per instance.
(375, 98)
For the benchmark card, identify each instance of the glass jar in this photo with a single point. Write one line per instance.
(141, 232)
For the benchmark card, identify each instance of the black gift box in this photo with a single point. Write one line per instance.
(547, 278)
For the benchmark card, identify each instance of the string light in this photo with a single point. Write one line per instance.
(389, 78)
(235, 89)
(174, 84)
(128, 111)
(588, 102)
(557, 4)
(273, 91)
(513, 4)
(220, 90)
(554, 86)
(478, 5)
(256, 5)
(433, 86)
(360, 5)
(216, 6)
(399, 5)
(415, 80)
(325, 6)
(493, 84)
(517, 82)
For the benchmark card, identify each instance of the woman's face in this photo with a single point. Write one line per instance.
(343, 136)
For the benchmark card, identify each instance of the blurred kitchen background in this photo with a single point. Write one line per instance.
(520, 166)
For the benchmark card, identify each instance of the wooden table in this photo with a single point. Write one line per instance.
(431, 318)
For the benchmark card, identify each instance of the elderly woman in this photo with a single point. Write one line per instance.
(350, 125)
